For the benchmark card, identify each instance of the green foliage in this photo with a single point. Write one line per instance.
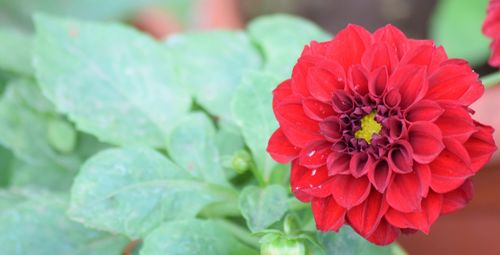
(123, 93)
(193, 237)
(457, 26)
(15, 51)
(262, 207)
(34, 222)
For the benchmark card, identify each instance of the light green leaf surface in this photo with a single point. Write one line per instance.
(192, 146)
(282, 38)
(193, 237)
(133, 190)
(6, 158)
(15, 52)
(24, 130)
(45, 176)
(252, 111)
(228, 140)
(347, 242)
(262, 207)
(34, 222)
(112, 81)
(456, 24)
(212, 64)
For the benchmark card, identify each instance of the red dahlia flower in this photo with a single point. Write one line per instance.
(491, 28)
(379, 132)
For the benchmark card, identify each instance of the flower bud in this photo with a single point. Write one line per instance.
(61, 135)
(241, 161)
(283, 246)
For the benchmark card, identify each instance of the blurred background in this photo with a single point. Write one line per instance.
(456, 24)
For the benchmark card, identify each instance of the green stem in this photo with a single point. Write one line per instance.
(491, 80)
(258, 175)
(241, 233)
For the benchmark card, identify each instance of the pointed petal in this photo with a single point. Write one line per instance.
(297, 127)
(426, 141)
(307, 182)
(431, 209)
(281, 92)
(316, 110)
(377, 83)
(480, 146)
(384, 234)
(380, 176)
(349, 45)
(457, 199)
(329, 215)
(400, 157)
(338, 163)
(349, 191)
(360, 163)
(280, 148)
(424, 110)
(321, 81)
(342, 101)
(331, 129)
(392, 99)
(392, 36)
(314, 154)
(455, 122)
(365, 217)
(404, 193)
(450, 169)
(378, 55)
(358, 80)
(411, 80)
(424, 175)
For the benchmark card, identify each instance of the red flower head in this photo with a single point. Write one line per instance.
(491, 28)
(379, 132)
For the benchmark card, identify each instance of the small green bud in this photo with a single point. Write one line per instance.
(291, 224)
(61, 135)
(281, 245)
(241, 161)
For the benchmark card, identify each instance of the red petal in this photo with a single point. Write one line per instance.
(297, 127)
(349, 191)
(329, 216)
(392, 99)
(457, 199)
(321, 81)
(378, 55)
(426, 141)
(480, 146)
(338, 163)
(424, 110)
(424, 175)
(378, 82)
(316, 110)
(281, 92)
(450, 169)
(411, 81)
(299, 78)
(365, 217)
(456, 122)
(360, 164)
(394, 38)
(397, 127)
(455, 80)
(420, 55)
(280, 148)
(314, 155)
(400, 157)
(404, 193)
(384, 234)
(431, 209)
(349, 45)
(342, 101)
(331, 129)
(307, 182)
(358, 81)
(380, 176)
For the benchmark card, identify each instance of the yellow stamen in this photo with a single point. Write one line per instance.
(369, 126)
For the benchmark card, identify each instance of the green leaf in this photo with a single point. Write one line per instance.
(34, 222)
(192, 146)
(6, 158)
(252, 111)
(262, 207)
(46, 176)
(228, 140)
(15, 52)
(282, 38)
(24, 130)
(132, 190)
(112, 81)
(347, 242)
(193, 237)
(212, 64)
(457, 26)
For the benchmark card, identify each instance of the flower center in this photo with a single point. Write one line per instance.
(369, 126)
